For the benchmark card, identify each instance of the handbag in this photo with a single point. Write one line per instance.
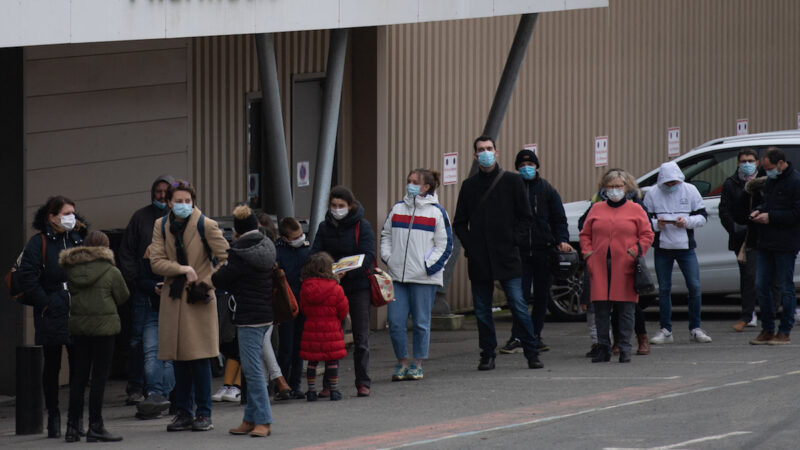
(642, 281)
(284, 304)
(381, 289)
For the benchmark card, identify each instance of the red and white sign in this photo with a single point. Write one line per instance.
(450, 171)
(601, 151)
(741, 127)
(673, 142)
(532, 147)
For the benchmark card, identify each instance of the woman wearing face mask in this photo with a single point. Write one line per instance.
(416, 242)
(44, 283)
(345, 232)
(611, 236)
(188, 331)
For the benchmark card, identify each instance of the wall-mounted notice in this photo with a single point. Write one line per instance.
(532, 147)
(601, 151)
(303, 178)
(741, 127)
(673, 142)
(798, 121)
(450, 171)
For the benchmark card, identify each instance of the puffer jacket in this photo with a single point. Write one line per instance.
(685, 202)
(781, 200)
(324, 306)
(247, 275)
(416, 240)
(97, 287)
(338, 238)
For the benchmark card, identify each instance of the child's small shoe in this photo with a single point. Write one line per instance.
(324, 393)
(311, 396)
(400, 372)
(335, 395)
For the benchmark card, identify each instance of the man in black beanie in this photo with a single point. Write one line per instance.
(548, 233)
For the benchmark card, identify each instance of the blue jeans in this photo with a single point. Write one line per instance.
(687, 261)
(482, 293)
(140, 307)
(159, 376)
(416, 299)
(193, 379)
(777, 268)
(536, 274)
(251, 344)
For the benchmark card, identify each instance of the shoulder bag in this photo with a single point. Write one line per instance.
(642, 281)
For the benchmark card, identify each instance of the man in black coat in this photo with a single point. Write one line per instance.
(492, 218)
(734, 208)
(147, 376)
(778, 221)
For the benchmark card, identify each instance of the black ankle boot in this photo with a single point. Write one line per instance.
(81, 430)
(624, 357)
(603, 354)
(97, 432)
(73, 433)
(54, 423)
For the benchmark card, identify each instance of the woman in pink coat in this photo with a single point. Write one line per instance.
(609, 244)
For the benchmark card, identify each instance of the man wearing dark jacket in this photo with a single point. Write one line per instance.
(492, 219)
(147, 374)
(547, 234)
(734, 208)
(778, 222)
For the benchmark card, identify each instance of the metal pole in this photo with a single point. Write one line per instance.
(274, 148)
(331, 101)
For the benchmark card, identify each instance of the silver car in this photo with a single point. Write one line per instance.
(707, 167)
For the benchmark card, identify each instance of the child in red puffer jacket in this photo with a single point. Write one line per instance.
(324, 306)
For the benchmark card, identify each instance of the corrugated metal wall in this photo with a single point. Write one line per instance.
(629, 71)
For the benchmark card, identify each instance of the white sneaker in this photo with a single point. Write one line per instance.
(664, 336)
(217, 397)
(233, 394)
(754, 321)
(698, 335)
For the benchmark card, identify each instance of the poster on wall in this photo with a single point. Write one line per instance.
(798, 121)
(532, 147)
(741, 126)
(303, 178)
(601, 151)
(673, 142)
(450, 171)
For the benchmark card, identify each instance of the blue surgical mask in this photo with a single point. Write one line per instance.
(486, 158)
(412, 189)
(182, 210)
(159, 204)
(773, 173)
(747, 168)
(666, 188)
(527, 172)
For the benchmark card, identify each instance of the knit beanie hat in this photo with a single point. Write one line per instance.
(526, 155)
(244, 220)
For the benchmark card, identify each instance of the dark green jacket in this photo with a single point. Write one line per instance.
(96, 288)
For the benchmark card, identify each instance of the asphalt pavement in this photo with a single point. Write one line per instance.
(722, 395)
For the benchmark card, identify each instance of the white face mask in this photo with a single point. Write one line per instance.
(298, 242)
(68, 222)
(615, 195)
(339, 213)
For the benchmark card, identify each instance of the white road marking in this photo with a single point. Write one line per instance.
(685, 443)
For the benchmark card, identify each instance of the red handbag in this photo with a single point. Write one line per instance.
(381, 288)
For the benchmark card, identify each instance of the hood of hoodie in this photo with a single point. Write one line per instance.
(669, 171)
(84, 265)
(420, 200)
(255, 249)
(315, 290)
(351, 218)
(169, 179)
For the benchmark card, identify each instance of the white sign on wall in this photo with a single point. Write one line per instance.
(532, 147)
(450, 171)
(673, 142)
(303, 177)
(798, 121)
(741, 127)
(601, 151)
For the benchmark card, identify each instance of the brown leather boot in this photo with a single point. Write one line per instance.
(282, 390)
(244, 428)
(644, 344)
(261, 430)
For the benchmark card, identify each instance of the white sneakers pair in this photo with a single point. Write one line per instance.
(664, 336)
(227, 394)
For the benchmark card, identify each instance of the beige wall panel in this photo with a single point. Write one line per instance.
(107, 71)
(68, 111)
(101, 48)
(113, 142)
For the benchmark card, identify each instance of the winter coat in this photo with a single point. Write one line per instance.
(138, 235)
(187, 331)
(338, 238)
(549, 226)
(734, 210)
(291, 260)
(46, 284)
(247, 275)
(684, 202)
(613, 228)
(416, 240)
(781, 200)
(324, 306)
(96, 287)
(491, 234)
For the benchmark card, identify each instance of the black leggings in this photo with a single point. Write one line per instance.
(50, 371)
(89, 354)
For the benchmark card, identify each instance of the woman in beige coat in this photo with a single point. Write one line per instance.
(187, 322)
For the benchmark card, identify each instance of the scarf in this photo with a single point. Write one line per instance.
(179, 283)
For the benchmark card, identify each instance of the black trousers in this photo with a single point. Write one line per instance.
(50, 371)
(90, 354)
(639, 323)
(359, 314)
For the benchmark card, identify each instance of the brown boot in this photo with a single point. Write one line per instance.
(244, 428)
(644, 344)
(615, 348)
(739, 326)
(261, 430)
(282, 390)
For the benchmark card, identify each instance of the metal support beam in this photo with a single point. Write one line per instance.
(329, 125)
(274, 155)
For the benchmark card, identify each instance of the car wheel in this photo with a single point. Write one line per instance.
(566, 298)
